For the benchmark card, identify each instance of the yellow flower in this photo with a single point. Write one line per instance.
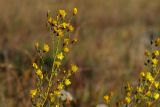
(39, 73)
(74, 68)
(149, 77)
(75, 10)
(33, 92)
(71, 28)
(155, 96)
(55, 29)
(35, 66)
(154, 61)
(106, 99)
(57, 63)
(57, 93)
(60, 86)
(60, 56)
(142, 74)
(66, 49)
(62, 13)
(156, 53)
(64, 25)
(45, 48)
(67, 82)
(128, 100)
(156, 84)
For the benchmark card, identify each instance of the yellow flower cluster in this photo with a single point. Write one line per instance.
(39, 72)
(59, 26)
(147, 91)
(51, 83)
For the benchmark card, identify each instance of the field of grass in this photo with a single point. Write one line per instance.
(113, 35)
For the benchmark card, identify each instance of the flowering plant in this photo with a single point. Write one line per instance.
(50, 84)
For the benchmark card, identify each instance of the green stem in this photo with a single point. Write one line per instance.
(50, 79)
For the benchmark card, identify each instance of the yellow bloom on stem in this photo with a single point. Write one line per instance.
(67, 82)
(74, 68)
(39, 74)
(60, 56)
(156, 84)
(66, 49)
(60, 86)
(64, 25)
(106, 99)
(156, 96)
(149, 77)
(57, 63)
(156, 53)
(55, 29)
(154, 61)
(57, 93)
(45, 48)
(62, 13)
(71, 28)
(142, 74)
(35, 66)
(75, 11)
(128, 100)
(33, 92)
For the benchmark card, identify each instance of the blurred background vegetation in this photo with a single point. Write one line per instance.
(113, 35)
